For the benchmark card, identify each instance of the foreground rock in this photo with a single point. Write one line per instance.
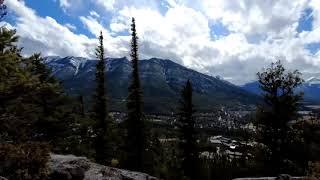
(69, 167)
(280, 177)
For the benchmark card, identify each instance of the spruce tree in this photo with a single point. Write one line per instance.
(53, 107)
(187, 133)
(136, 141)
(100, 112)
(280, 106)
(15, 83)
(33, 106)
(38, 68)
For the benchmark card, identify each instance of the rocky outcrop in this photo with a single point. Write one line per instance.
(280, 177)
(70, 167)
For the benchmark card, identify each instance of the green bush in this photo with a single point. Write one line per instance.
(26, 161)
(314, 170)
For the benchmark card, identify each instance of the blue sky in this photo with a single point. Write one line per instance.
(53, 9)
(232, 39)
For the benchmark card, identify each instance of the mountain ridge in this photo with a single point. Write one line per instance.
(310, 89)
(161, 79)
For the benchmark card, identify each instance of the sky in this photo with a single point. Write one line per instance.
(233, 39)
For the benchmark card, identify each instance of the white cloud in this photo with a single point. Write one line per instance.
(258, 16)
(260, 32)
(176, 35)
(116, 5)
(94, 14)
(107, 4)
(65, 3)
(46, 35)
(315, 5)
(71, 27)
(72, 7)
(183, 34)
(52, 38)
(115, 46)
(93, 25)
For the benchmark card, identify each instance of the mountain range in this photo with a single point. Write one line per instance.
(161, 79)
(310, 88)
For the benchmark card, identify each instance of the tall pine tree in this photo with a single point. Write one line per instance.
(136, 141)
(100, 112)
(187, 133)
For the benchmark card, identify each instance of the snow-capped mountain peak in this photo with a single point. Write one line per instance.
(159, 77)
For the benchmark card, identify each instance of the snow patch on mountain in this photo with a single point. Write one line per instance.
(77, 63)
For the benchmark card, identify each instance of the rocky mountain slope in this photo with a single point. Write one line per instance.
(161, 79)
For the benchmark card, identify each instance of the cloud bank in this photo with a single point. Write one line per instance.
(232, 39)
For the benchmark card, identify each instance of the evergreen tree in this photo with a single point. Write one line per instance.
(33, 106)
(8, 40)
(38, 68)
(188, 139)
(53, 107)
(136, 142)
(15, 83)
(81, 106)
(280, 106)
(100, 112)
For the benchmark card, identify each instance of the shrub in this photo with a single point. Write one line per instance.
(114, 162)
(26, 161)
(314, 170)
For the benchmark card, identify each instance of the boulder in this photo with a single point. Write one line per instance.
(70, 167)
(280, 177)
(284, 177)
